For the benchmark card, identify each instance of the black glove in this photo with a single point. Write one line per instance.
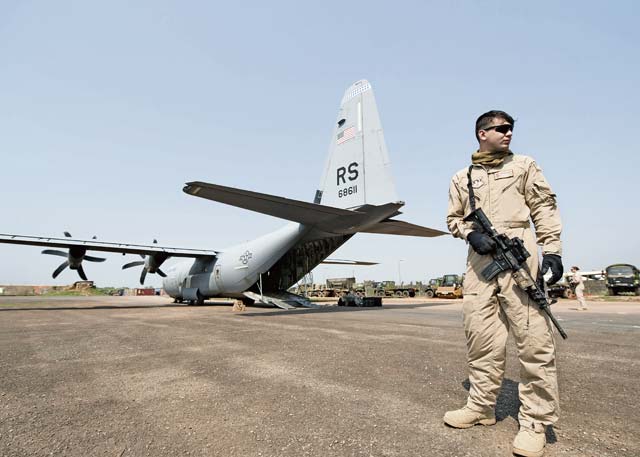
(481, 243)
(553, 261)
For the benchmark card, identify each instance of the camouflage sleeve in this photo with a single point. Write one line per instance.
(544, 210)
(455, 213)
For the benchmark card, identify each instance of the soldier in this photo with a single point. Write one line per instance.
(512, 191)
(578, 283)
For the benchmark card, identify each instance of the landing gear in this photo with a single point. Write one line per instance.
(199, 301)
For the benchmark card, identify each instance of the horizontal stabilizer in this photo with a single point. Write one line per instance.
(284, 208)
(347, 262)
(395, 227)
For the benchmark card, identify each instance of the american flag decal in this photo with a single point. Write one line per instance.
(346, 134)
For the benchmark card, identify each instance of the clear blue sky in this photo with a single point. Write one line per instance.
(108, 108)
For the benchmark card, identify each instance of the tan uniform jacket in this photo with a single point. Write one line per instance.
(510, 195)
(576, 279)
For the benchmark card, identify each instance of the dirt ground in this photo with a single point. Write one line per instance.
(125, 376)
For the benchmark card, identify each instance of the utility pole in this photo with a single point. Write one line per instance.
(400, 272)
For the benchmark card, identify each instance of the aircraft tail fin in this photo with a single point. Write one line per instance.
(357, 192)
(357, 170)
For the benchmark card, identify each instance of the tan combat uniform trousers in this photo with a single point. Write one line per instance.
(580, 295)
(493, 308)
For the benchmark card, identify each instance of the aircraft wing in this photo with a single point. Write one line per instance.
(395, 227)
(347, 262)
(284, 208)
(93, 245)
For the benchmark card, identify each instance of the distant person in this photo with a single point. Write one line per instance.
(512, 191)
(578, 283)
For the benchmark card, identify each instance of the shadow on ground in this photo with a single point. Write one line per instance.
(8, 308)
(339, 309)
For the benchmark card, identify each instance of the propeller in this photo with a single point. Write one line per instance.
(151, 264)
(74, 256)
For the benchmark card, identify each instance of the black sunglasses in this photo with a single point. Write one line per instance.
(504, 128)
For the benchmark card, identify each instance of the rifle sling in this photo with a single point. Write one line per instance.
(472, 195)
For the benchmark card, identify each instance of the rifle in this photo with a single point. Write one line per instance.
(511, 255)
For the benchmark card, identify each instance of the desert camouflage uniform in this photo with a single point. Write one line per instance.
(577, 281)
(511, 195)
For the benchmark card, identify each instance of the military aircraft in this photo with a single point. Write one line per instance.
(356, 194)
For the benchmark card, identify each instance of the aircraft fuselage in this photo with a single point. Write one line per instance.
(235, 269)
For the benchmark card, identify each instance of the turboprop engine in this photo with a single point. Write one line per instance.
(74, 256)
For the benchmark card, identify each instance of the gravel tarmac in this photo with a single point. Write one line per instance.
(141, 376)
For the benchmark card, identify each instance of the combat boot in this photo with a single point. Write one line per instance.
(466, 417)
(529, 442)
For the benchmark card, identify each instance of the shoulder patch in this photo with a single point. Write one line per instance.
(477, 182)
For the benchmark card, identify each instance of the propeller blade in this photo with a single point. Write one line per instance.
(58, 270)
(161, 273)
(94, 259)
(143, 275)
(81, 272)
(132, 264)
(67, 234)
(54, 252)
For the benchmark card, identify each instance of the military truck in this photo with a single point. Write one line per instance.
(389, 289)
(340, 286)
(561, 289)
(622, 277)
(451, 287)
(429, 290)
(364, 289)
